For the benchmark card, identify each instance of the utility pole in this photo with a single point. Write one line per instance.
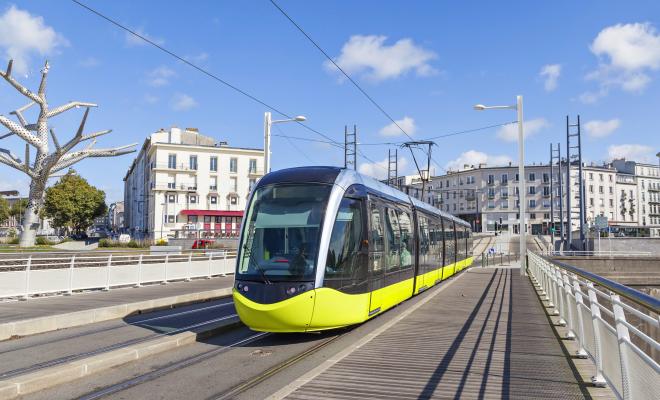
(424, 175)
(392, 167)
(562, 230)
(573, 135)
(350, 148)
(555, 156)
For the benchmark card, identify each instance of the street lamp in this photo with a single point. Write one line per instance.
(521, 175)
(268, 123)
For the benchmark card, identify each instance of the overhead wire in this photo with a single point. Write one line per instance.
(200, 69)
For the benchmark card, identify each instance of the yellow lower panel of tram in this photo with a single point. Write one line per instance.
(290, 315)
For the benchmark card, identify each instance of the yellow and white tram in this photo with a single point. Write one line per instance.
(326, 247)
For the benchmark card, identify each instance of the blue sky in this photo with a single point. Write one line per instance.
(426, 63)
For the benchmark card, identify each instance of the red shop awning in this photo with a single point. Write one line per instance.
(213, 213)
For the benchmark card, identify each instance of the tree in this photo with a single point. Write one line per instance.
(46, 162)
(73, 203)
(4, 210)
(17, 209)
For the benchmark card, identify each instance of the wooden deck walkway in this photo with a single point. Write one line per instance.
(486, 335)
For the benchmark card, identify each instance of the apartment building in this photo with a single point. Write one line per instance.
(184, 184)
(487, 197)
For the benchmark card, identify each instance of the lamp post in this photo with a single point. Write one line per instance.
(268, 123)
(521, 176)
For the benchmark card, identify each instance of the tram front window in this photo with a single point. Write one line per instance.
(281, 238)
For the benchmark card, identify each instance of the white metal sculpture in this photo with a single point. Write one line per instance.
(46, 162)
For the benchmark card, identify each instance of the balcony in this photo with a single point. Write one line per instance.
(255, 172)
(213, 188)
(173, 167)
(175, 187)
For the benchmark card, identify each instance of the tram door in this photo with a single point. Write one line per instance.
(376, 256)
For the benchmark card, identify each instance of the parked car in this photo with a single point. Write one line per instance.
(202, 243)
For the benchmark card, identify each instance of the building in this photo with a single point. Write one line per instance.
(15, 221)
(116, 216)
(626, 192)
(184, 184)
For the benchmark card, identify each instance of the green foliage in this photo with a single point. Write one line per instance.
(18, 208)
(42, 241)
(13, 240)
(105, 243)
(73, 203)
(161, 242)
(134, 244)
(4, 210)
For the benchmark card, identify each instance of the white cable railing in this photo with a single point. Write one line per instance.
(598, 253)
(608, 330)
(26, 275)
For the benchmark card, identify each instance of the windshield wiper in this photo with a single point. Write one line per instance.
(257, 266)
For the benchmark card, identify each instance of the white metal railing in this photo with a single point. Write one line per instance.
(597, 253)
(591, 307)
(25, 275)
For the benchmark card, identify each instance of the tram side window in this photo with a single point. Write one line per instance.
(405, 224)
(469, 243)
(393, 240)
(376, 240)
(441, 244)
(424, 244)
(435, 240)
(345, 267)
(450, 248)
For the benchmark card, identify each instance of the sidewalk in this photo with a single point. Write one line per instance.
(46, 314)
(483, 335)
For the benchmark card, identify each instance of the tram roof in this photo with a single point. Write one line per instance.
(345, 178)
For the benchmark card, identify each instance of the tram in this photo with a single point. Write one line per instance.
(326, 247)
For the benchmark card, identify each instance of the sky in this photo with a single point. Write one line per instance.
(425, 63)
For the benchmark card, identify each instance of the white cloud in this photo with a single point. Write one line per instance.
(473, 157)
(599, 129)
(627, 53)
(132, 40)
(371, 57)
(636, 152)
(551, 74)
(407, 124)
(150, 99)
(22, 34)
(509, 132)
(89, 62)
(378, 170)
(160, 76)
(183, 102)
(203, 56)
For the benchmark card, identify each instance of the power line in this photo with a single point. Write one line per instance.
(340, 68)
(293, 144)
(198, 68)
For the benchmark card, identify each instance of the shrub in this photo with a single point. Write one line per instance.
(134, 244)
(105, 243)
(13, 240)
(42, 241)
(161, 242)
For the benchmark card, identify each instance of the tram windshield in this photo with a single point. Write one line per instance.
(281, 237)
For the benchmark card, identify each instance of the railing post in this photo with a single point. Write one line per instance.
(167, 263)
(28, 268)
(568, 293)
(70, 291)
(598, 379)
(560, 296)
(581, 352)
(107, 273)
(224, 264)
(189, 266)
(139, 278)
(623, 337)
(208, 276)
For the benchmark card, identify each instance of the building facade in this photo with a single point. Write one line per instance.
(626, 192)
(116, 216)
(184, 184)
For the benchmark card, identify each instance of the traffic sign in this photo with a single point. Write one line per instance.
(601, 222)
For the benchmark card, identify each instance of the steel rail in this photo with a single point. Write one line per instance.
(250, 383)
(78, 356)
(626, 292)
(175, 366)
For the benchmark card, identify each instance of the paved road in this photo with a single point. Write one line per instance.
(33, 352)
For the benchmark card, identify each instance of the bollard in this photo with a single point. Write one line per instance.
(70, 292)
(28, 267)
(107, 273)
(139, 279)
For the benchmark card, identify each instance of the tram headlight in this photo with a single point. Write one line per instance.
(291, 291)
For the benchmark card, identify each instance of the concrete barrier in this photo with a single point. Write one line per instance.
(51, 323)
(630, 271)
(56, 375)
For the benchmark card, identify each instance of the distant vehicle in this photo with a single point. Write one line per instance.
(202, 243)
(79, 236)
(124, 238)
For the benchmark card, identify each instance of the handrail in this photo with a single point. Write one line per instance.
(624, 291)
